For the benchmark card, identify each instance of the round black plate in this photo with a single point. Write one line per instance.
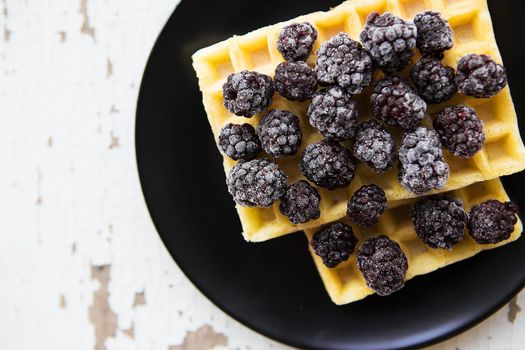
(273, 287)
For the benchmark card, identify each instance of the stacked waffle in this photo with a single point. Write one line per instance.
(473, 180)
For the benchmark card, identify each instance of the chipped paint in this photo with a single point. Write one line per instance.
(114, 143)
(50, 142)
(109, 68)
(514, 309)
(62, 301)
(86, 26)
(113, 110)
(62, 35)
(73, 248)
(5, 13)
(130, 332)
(140, 299)
(104, 320)
(39, 199)
(204, 338)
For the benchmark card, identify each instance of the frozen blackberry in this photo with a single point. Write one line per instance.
(383, 264)
(334, 113)
(295, 81)
(434, 81)
(327, 164)
(439, 221)
(433, 33)
(366, 205)
(389, 40)
(256, 183)
(296, 40)
(480, 76)
(374, 146)
(239, 141)
(492, 221)
(396, 103)
(334, 243)
(460, 130)
(344, 62)
(279, 133)
(300, 203)
(422, 167)
(247, 93)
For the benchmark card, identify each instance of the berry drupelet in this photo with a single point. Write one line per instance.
(492, 221)
(334, 113)
(247, 93)
(239, 141)
(460, 130)
(396, 103)
(366, 205)
(256, 183)
(327, 164)
(279, 133)
(300, 203)
(480, 76)
(389, 40)
(344, 62)
(383, 264)
(374, 146)
(434, 81)
(433, 33)
(439, 221)
(422, 167)
(334, 244)
(295, 41)
(295, 81)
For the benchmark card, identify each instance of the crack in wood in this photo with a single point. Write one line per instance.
(101, 316)
(86, 26)
(204, 338)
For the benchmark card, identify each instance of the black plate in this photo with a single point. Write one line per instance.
(273, 287)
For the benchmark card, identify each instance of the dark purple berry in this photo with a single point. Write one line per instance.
(374, 146)
(366, 205)
(296, 40)
(492, 221)
(295, 81)
(433, 33)
(334, 244)
(247, 93)
(279, 133)
(434, 81)
(480, 76)
(300, 203)
(239, 141)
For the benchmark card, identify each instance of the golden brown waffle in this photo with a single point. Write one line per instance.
(345, 284)
(470, 19)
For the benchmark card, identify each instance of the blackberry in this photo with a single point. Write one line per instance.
(439, 221)
(295, 81)
(334, 243)
(422, 167)
(367, 205)
(460, 130)
(492, 221)
(374, 146)
(239, 141)
(256, 183)
(279, 133)
(383, 264)
(434, 81)
(344, 62)
(296, 40)
(433, 33)
(300, 203)
(389, 40)
(327, 164)
(395, 103)
(334, 113)
(247, 93)
(480, 76)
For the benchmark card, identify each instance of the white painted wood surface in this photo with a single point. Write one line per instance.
(81, 266)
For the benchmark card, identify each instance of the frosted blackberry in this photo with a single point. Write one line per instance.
(433, 33)
(300, 203)
(366, 205)
(383, 264)
(480, 76)
(334, 113)
(422, 167)
(492, 221)
(389, 40)
(374, 146)
(344, 62)
(247, 93)
(439, 221)
(239, 141)
(327, 164)
(396, 103)
(460, 130)
(279, 133)
(256, 183)
(434, 81)
(334, 244)
(296, 40)
(295, 81)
